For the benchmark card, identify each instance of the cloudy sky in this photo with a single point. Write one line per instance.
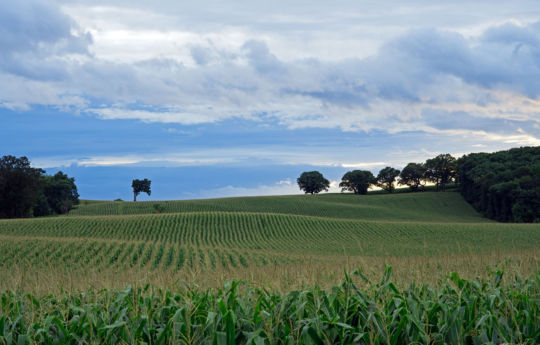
(213, 98)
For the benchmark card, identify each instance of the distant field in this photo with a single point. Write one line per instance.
(257, 238)
(428, 206)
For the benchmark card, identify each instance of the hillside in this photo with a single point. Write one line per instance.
(428, 206)
(255, 231)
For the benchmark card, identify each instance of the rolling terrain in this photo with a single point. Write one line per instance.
(439, 207)
(154, 272)
(254, 234)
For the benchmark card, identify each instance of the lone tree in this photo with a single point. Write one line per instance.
(386, 178)
(413, 175)
(312, 182)
(441, 170)
(357, 181)
(140, 186)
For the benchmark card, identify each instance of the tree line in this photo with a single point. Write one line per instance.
(26, 191)
(504, 185)
(440, 170)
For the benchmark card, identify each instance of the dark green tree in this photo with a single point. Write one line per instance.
(413, 176)
(140, 186)
(357, 181)
(41, 207)
(61, 192)
(503, 185)
(312, 182)
(441, 170)
(386, 178)
(20, 187)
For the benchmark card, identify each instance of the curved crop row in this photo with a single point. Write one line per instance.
(284, 233)
(84, 254)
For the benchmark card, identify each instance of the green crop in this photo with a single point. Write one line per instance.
(441, 207)
(277, 232)
(355, 312)
(286, 242)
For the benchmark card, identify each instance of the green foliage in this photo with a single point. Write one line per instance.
(20, 186)
(357, 181)
(158, 208)
(504, 185)
(312, 182)
(60, 192)
(357, 311)
(413, 175)
(140, 186)
(441, 170)
(386, 178)
(25, 191)
(42, 207)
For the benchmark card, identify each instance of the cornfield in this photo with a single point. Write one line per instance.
(245, 239)
(441, 207)
(61, 278)
(356, 311)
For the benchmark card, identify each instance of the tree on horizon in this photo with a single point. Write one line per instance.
(140, 186)
(413, 175)
(441, 170)
(357, 181)
(386, 178)
(312, 182)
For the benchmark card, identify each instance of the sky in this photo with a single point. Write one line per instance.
(214, 98)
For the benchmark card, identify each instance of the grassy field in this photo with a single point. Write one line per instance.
(282, 241)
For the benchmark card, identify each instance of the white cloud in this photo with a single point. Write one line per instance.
(151, 160)
(316, 69)
(185, 118)
(521, 139)
(276, 189)
(198, 158)
(230, 191)
(363, 165)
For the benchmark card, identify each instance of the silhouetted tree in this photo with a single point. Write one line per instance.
(140, 186)
(441, 170)
(312, 182)
(413, 176)
(357, 181)
(386, 178)
(20, 187)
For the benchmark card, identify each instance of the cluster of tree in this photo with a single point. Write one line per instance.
(440, 170)
(504, 185)
(359, 181)
(26, 191)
